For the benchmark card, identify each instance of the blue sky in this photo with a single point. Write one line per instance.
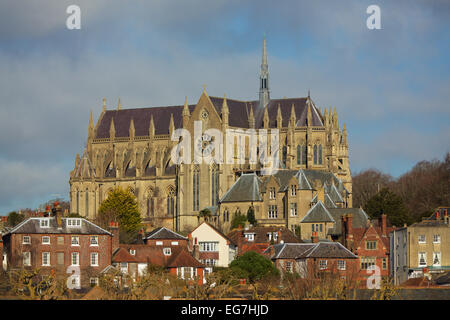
(391, 87)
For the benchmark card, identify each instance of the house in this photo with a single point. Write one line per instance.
(421, 249)
(135, 259)
(308, 259)
(211, 246)
(259, 238)
(61, 245)
(370, 243)
(165, 237)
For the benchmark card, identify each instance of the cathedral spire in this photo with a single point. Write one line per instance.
(251, 118)
(266, 118)
(292, 118)
(264, 96)
(112, 130)
(225, 112)
(119, 106)
(186, 113)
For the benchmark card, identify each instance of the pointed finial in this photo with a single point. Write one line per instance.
(224, 104)
(151, 129)
(171, 124)
(104, 105)
(119, 106)
(112, 130)
(309, 96)
(186, 107)
(266, 118)
(204, 87)
(132, 130)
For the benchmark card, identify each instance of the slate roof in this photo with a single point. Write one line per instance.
(32, 226)
(260, 234)
(163, 233)
(360, 218)
(311, 250)
(246, 188)
(318, 213)
(179, 256)
(303, 183)
(238, 116)
(217, 231)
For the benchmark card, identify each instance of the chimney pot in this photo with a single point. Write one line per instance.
(437, 214)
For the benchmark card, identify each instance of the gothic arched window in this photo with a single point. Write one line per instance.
(195, 188)
(214, 184)
(171, 201)
(320, 154)
(304, 154)
(150, 211)
(315, 154)
(299, 154)
(87, 203)
(284, 155)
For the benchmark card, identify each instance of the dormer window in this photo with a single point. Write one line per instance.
(133, 252)
(44, 223)
(73, 222)
(167, 251)
(250, 236)
(272, 193)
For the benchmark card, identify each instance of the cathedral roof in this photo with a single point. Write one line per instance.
(238, 116)
(246, 188)
(318, 213)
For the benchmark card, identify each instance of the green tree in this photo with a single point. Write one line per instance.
(238, 220)
(205, 214)
(253, 267)
(14, 219)
(251, 216)
(121, 205)
(390, 204)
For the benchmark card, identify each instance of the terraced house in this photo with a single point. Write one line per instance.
(131, 147)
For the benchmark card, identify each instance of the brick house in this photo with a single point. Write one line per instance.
(61, 245)
(134, 259)
(163, 236)
(307, 259)
(370, 243)
(259, 238)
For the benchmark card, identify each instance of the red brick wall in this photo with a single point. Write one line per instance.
(378, 254)
(16, 247)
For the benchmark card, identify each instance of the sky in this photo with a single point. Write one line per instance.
(391, 87)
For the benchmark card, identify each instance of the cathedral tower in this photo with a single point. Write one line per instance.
(264, 96)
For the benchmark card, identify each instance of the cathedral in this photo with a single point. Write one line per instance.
(132, 148)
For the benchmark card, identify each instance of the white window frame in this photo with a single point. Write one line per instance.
(174, 243)
(26, 242)
(47, 255)
(94, 262)
(132, 252)
(424, 257)
(73, 222)
(26, 258)
(95, 244)
(437, 238)
(342, 265)
(44, 223)
(323, 264)
(159, 243)
(77, 255)
(93, 281)
(422, 239)
(440, 260)
(167, 251)
(288, 266)
(77, 242)
(124, 267)
(208, 246)
(272, 193)
(250, 236)
(46, 242)
(293, 209)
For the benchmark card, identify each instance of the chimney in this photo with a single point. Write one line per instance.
(114, 229)
(279, 237)
(383, 225)
(315, 237)
(58, 214)
(141, 235)
(195, 251)
(190, 243)
(437, 215)
(445, 216)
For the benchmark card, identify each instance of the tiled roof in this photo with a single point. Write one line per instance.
(260, 234)
(217, 231)
(246, 188)
(32, 225)
(328, 250)
(360, 218)
(318, 213)
(163, 233)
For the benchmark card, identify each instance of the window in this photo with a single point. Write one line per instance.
(124, 267)
(44, 223)
(93, 282)
(174, 243)
(250, 236)
(321, 227)
(304, 154)
(272, 212)
(26, 240)
(45, 258)
(94, 241)
(293, 190)
(60, 240)
(171, 202)
(341, 265)
(195, 189)
(299, 154)
(60, 258)
(422, 239)
(436, 259)
(322, 264)
(75, 259)
(315, 154)
(27, 259)
(422, 259)
(436, 238)
(384, 264)
(288, 266)
(94, 259)
(75, 241)
(132, 252)
(367, 263)
(209, 262)
(73, 222)
(159, 243)
(272, 193)
(45, 240)
(167, 251)
(293, 209)
(186, 272)
(209, 246)
(320, 154)
(214, 185)
(371, 245)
